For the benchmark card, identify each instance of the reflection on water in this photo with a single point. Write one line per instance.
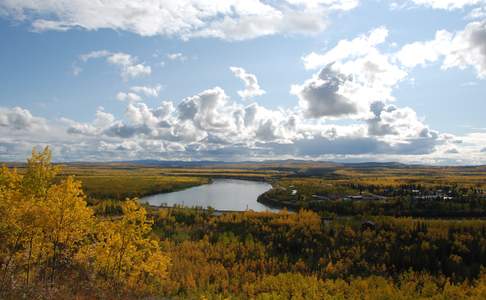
(222, 194)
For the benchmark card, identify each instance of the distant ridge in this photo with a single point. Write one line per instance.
(181, 163)
(376, 165)
(264, 164)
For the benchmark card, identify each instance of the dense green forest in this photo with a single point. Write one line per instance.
(57, 245)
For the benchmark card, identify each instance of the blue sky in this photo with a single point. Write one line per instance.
(129, 80)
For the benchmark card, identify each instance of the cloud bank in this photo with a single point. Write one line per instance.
(186, 19)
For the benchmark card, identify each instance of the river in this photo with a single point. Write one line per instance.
(221, 194)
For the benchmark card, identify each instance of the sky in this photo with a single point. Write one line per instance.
(238, 80)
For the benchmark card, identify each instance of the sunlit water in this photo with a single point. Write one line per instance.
(222, 194)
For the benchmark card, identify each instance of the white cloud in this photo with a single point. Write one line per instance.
(149, 91)
(345, 49)
(447, 4)
(129, 66)
(397, 123)
(177, 56)
(136, 70)
(421, 53)
(18, 118)
(333, 4)
(208, 110)
(95, 54)
(323, 95)
(468, 49)
(230, 20)
(207, 121)
(355, 74)
(477, 13)
(252, 88)
(130, 97)
(102, 120)
(209, 125)
(462, 49)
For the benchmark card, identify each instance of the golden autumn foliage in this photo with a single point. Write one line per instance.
(48, 232)
(54, 246)
(124, 253)
(44, 223)
(286, 255)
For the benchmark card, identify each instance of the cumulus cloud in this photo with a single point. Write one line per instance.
(129, 65)
(210, 124)
(391, 120)
(324, 95)
(230, 20)
(18, 118)
(421, 53)
(354, 74)
(206, 121)
(468, 49)
(462, 49)
(252, 88)
(208, 110)
(102, 120)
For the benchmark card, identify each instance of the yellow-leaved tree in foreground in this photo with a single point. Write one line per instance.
(48, 233)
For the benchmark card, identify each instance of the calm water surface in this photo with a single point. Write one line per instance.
(222, 194)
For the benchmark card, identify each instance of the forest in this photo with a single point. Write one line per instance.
(60, 242)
